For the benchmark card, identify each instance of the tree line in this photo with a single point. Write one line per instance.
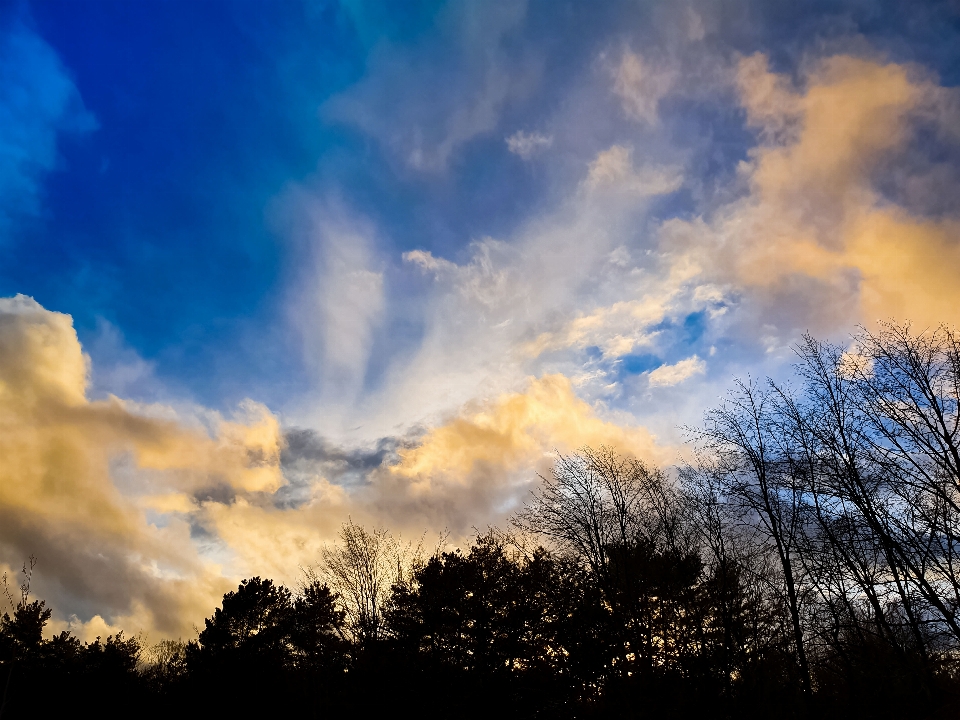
(804, 561)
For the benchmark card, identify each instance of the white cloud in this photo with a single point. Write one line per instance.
(667, 375)
(339, 301)
(427, 262)
(526, 145)
(515, 307)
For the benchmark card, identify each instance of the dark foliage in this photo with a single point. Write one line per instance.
(53, 677)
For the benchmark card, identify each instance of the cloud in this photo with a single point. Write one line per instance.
(482, 462)
(798, 237)
(516, 429)
(101, 491)
(39, 102)
(613, 169)
(532, 303)
(641, 86)
(546, 336)
(338, 300)
(813, 240)
(142, 514)
(526, 145)
(473, 468)
(422, 103)
(616, 329)
(667, 375)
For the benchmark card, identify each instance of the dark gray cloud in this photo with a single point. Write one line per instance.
(307, 454)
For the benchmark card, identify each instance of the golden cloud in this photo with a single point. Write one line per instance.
(516, 430)
(668, 375)
(475, 468)
(812, 210)
(78, 477)
(108, 493)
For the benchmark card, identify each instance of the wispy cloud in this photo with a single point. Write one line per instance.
(39, 101)
(526, 145)
(422, 103)
(337, 302)
(613, 170)
(641, 86)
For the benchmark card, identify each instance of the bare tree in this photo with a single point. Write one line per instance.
(597, 499)
(361, 569)
(622, 520)
(909, 394)
(745, 442)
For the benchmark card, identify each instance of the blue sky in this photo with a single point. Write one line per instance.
(400, 252)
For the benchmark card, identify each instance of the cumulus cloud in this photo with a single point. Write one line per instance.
(142, 516)
(473, 468)
(101, 491)
(526, 145)
(516, 429)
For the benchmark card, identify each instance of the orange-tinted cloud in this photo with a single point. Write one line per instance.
(109, 494)
(812, 210)
(515, 431)
(80, 479)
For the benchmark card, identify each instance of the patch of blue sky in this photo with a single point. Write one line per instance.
(676, 340)
(637, 363)
(692, 328)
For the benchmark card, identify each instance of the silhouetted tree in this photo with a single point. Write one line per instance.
(361, 570)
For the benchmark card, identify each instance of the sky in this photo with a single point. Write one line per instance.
(265, 267)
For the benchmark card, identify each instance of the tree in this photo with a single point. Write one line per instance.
(498, 630)
(624, 522)
(596, 500)
(745, 443)
(254, 621)
(361, 570)
(318, 628)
